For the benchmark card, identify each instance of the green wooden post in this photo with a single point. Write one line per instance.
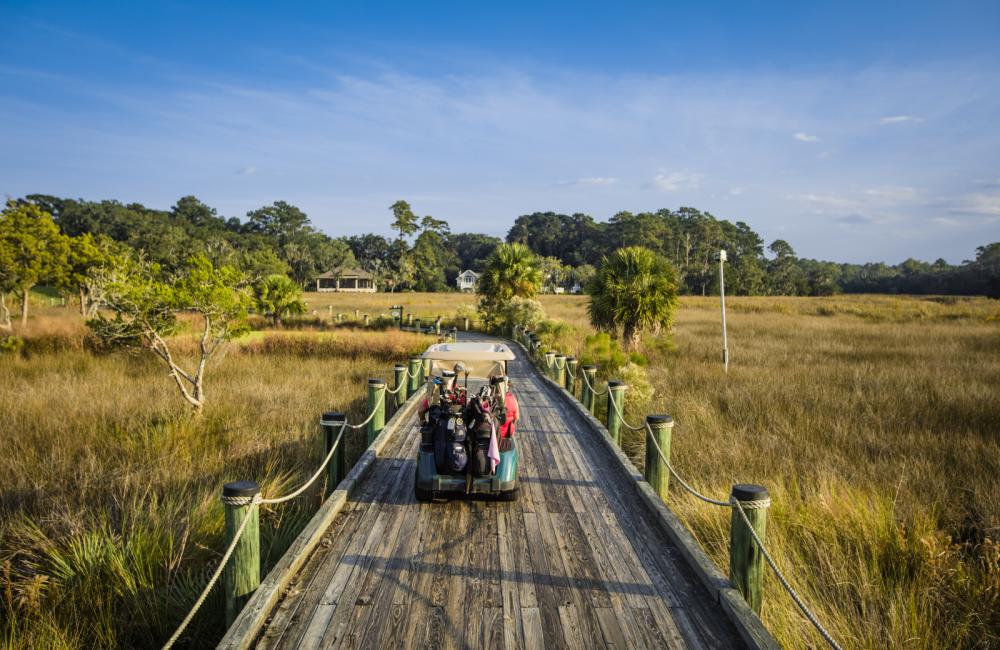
(466, 323)
(376, 402)
(550, 362)
(357, 312)
(559, 369)
(409, 319)
(414, 373)
(241, 576)
(437, 326)
(657, 474)
(399, 370)
(336, 470)
(425, 370)
(366, 320)
(586, 394)
(746, 562)
(616, 392)
(419, 331)
(571, 365)
(340, 317)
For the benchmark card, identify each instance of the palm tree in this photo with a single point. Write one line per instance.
(279, 296)
(512, 270)
(634, 290)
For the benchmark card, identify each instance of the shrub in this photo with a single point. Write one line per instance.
(526, 312)
(11, 345)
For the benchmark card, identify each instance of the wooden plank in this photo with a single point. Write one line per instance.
(513, 632)
(534, 634)
(525, 572)
(546, 594)
(455, 559)
(419, 612)
(614, 639)
(569, 620)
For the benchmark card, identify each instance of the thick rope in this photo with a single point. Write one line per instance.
(326, 461)
(211, 582)
(393, 392)
(381, 400)
(592, 391)
(621, 416)
(784, 581)
(684, 484)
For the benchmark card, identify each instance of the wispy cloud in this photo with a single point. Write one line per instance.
(899, 119)
(984, 204)
(805, 137)
(249, 170)
(677, 181)
(594, 181)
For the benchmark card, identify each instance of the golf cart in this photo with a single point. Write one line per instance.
(461, 450)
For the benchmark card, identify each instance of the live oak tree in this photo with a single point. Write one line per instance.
(146, 303)
(634, 290)
(33, 251)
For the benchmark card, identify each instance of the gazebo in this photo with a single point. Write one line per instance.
(346, 281)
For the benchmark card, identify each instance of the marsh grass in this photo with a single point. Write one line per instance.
(110, 520)
(874, 421)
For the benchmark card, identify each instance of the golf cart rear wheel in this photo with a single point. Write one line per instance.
(510, 495)
(422, 495)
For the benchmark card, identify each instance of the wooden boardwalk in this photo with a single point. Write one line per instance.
(575, 562)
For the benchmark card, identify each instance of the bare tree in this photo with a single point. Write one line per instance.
(145, 304)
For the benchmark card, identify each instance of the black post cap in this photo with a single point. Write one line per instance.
(616, 384)
(570, 358)
(749, 492)
(334, 415)
(399, 366)
(376, 382)
(588, 367)
(660, 420)
(241, 489)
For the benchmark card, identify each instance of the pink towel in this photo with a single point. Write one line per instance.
(494, 451)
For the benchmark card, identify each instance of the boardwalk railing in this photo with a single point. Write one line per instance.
(240, 565)
(749, 503)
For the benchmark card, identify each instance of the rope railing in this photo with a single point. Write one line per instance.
(783, 580)
(257, 499)
(742, 507)
(591, 388)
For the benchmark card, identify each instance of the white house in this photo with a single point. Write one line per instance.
(467, 280)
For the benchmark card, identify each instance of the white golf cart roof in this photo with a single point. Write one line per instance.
(469, 352)
(479, 360)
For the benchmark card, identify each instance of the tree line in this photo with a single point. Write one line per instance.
(425, 255)
(691, 239)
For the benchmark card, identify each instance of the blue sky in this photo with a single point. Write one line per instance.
(856, 132)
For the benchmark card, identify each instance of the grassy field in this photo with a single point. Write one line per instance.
(874, 422)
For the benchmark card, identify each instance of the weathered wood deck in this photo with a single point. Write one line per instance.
(575, 562)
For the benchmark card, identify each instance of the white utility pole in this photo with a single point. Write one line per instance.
(722, 301)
